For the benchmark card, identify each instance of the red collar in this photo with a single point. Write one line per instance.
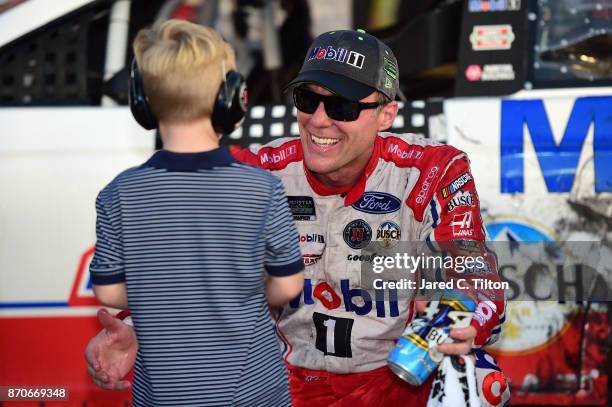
(352, 193)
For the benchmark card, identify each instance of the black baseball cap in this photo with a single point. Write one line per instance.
(351, 64)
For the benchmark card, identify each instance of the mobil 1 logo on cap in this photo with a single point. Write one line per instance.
(337, 54)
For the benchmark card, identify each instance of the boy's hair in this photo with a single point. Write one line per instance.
(182, 65)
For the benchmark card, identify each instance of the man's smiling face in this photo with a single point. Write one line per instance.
(332, 146)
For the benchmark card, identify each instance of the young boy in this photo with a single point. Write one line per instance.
(185, 239)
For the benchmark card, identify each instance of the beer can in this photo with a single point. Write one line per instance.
(411, 359)
(415, 356)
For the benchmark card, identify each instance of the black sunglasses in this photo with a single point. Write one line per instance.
(336, 107)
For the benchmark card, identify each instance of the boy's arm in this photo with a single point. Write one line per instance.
(112, 295)
(107, 266)
(283, 259)
(111, 353)
(281, 290)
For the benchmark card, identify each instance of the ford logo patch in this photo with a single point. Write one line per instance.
(377, 202)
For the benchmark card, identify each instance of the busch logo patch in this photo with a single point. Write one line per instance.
(460, 199)
(388, 234)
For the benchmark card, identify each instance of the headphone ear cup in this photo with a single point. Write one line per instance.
(231, 104)
(139, 103)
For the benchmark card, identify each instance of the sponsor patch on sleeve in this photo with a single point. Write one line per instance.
(456, 185)
(460, 199)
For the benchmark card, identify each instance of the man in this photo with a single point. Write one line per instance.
(345, 182)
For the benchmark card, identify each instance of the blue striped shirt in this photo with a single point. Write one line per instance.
(191, 235)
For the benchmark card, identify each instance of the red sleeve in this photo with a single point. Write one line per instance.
(245, 156)
(273, 156)
(457, 226)
(457, 203)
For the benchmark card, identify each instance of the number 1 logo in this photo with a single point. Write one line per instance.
(333, 335)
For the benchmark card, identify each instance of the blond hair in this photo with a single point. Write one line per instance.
(182, 66)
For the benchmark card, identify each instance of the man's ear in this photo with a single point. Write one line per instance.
(387, 115)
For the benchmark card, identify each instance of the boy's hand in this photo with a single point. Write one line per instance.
(111, 354)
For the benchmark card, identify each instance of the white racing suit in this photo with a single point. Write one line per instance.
(413, 189)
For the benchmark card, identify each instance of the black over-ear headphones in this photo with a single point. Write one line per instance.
(228, 112)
